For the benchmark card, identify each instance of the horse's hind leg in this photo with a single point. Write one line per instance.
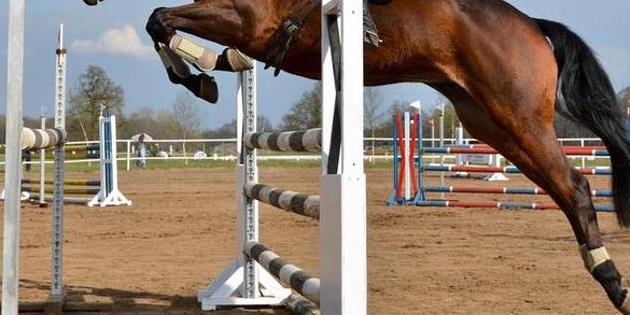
(523, 132)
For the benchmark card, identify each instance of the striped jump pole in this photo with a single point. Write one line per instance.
(290, 275)
(501, 205)
(37, 139)
(71, 182)
(505, 170)
(289, 141)
(299, 305)
(302, 204)
(503, 190)
(575, 151)
(66, 190)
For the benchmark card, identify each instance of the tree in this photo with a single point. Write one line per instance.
(93, 90)
(624, 98)
(372, 116)
(228, 130)
(185, 115)
(306, 112)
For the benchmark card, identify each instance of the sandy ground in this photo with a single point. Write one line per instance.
(151, 258)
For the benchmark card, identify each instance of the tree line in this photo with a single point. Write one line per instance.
(182, 120)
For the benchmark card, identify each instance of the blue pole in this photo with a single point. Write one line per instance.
(421, 195)
(392, 198)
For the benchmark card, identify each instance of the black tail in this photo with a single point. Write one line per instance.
(587, 96)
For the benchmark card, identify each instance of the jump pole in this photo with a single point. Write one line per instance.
(12, 179)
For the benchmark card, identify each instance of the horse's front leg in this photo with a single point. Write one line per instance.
(173, 49)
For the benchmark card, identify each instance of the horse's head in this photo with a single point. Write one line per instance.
(92, 2)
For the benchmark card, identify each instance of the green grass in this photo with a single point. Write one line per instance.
(177, 164)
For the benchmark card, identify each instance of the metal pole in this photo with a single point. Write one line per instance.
(441, 130)
(57, 293)
(343, 261)
(12, 179)
(42, 170)
(408, 158)
(128, 154)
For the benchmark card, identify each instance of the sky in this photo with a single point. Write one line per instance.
(112, 36)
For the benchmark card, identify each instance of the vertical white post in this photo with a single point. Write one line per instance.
(42, 169)
(408, 156)
(57, 293)
(128, 155)
(12, 177)
(343, 209)
(441, 130)
(248, 173)
(459, 141)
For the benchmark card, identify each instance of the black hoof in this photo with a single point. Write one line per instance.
(92, 2)
(204, 87)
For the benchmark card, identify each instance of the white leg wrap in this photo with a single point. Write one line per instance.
(172, 61)
(204, 59)
(593, 258)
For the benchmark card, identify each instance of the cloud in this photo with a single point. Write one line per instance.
(116, 41)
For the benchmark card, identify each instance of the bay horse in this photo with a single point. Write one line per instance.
(506, 74)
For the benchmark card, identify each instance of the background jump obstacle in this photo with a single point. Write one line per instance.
(108, 193)
(342, 290)
(410, 189)
(407, 133)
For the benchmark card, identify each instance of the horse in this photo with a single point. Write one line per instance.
(507, 74)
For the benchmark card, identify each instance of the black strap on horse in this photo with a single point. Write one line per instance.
(283, 38)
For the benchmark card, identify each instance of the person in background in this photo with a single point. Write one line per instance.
(26, 157)
(141, 151)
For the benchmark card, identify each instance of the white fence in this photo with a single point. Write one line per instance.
(180, 146)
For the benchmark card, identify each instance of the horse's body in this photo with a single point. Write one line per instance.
(492, 61)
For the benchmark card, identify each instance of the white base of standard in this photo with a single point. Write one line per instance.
(225, 290)
(496, 177)
(115, 198)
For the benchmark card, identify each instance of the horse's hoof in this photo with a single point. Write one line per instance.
(204, 87)
(92, 2)
(625, 307)
(237, 60)
(202, 58)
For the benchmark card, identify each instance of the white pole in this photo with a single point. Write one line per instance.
(128, 155)
(57, 293)
(12, 179)
(343, 261)
(408, 158)
(42, 170)
(441, 128)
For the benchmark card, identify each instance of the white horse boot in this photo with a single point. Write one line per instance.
(205, 59)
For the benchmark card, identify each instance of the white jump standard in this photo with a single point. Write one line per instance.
(341, 209)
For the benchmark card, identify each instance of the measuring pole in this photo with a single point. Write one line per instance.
(57, 292)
